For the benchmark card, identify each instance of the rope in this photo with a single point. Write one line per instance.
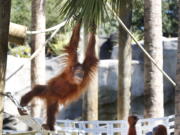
(16, 103)
(46, 30)
(140, 46)
(37, 51)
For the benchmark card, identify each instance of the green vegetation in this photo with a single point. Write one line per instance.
(21, 14)
(170, 18)
(169, 14)
(60, 41)
(20, 51)
(90, 11)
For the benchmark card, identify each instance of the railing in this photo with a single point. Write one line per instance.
(147, 125)
(119, 127)
(93, 127)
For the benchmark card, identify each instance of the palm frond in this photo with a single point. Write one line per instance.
(90, 11)
(115, 5)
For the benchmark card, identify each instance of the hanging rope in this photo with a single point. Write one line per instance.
(16, 103)
(46, 30)
(140, 46)
(38, 50)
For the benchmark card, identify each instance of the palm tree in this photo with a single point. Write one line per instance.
(153, 79)
(5, 8)
(177, 91)
(125, 56)
(38, 40)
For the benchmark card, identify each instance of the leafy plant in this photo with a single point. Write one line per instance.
(20, 51)
(21, 12)
(59, 43)
(169, 17)
(90, 11)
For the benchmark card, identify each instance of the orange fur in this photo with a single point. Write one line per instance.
(63, 88)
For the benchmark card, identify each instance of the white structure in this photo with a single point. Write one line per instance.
(71, 127)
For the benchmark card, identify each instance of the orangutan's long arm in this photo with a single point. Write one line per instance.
(91, 61)
(71, 48)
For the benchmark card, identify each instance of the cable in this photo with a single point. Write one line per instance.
(46, 30)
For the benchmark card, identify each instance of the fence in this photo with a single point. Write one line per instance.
(71, 127)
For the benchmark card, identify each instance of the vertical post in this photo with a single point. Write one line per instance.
(153, 79)
(38, 40)
(5, 9)
(125, 54)
(90, 99)
(177, 90)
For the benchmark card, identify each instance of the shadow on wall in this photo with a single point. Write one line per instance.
(107, 47)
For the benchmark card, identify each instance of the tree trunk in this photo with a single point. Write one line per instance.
(153, 79)
(125, 54)
(90, 99)
(38, 40)
(5, 8)
(177, 91)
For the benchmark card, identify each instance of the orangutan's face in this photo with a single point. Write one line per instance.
(78, 74)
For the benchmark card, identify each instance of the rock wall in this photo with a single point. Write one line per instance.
(169, 66)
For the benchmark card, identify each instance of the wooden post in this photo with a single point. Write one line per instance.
(177, 89)
(17, 33)
(153, 79)
(125, 58)
(5, 6)
(38, 40)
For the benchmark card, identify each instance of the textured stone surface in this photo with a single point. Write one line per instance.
(169, 56)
